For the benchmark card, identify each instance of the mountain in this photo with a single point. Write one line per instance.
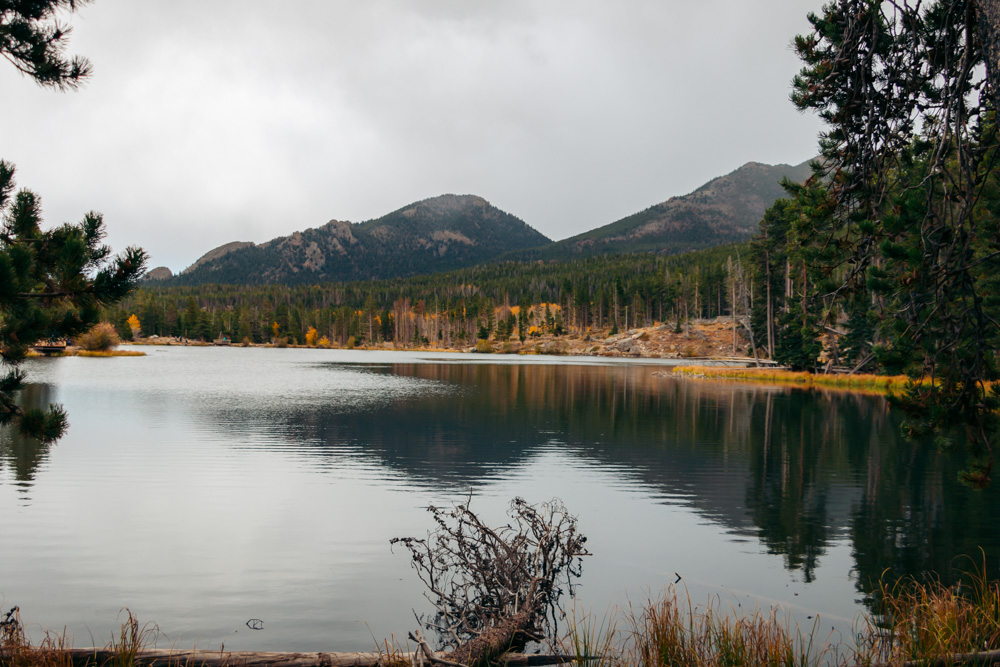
(450, 232)
(437, 234)
(724, 210)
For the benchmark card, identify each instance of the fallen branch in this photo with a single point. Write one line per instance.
(100, 657)
(953, 660)
(495, 589)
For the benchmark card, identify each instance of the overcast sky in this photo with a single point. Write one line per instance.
(208, 121)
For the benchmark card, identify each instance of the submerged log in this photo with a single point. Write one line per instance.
(95, 657)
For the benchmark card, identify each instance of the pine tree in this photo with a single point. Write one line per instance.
(34, 41)
(53, 285)
(908, 91)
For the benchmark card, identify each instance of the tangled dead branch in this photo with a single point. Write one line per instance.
(495, 589)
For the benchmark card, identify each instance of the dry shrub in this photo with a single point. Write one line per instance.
(496, 588)
(920, 621)
(101, 337)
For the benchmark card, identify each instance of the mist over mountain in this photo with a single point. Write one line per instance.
(727, 209)
(451, 231)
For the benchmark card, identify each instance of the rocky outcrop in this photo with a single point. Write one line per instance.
(159, 273)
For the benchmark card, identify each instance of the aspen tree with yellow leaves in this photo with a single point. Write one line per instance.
(133, 324)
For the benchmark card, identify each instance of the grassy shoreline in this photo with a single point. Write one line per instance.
(878, 384)
(70, 352)
(912, 623)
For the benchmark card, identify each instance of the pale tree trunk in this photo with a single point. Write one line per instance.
(988, 17)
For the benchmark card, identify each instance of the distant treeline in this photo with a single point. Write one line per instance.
(497, 301)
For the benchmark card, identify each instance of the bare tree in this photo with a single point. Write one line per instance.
(495, 589)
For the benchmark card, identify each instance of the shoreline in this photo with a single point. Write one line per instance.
(659, 342)
(861, 383)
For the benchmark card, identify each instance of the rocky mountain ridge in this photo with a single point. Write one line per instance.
(455, 231)
(441, 233)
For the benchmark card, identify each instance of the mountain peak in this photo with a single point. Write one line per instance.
(724, 210)
(435, 234)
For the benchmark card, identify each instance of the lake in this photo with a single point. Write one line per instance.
(204, 487)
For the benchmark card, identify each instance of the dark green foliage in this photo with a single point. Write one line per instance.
(53, 284)
(34, 41)
(857, 344)
(798, 345)
(896, 231)
(453, 306)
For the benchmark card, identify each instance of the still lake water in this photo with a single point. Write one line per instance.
(203, 487)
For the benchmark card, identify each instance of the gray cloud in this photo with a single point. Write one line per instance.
(208, 122)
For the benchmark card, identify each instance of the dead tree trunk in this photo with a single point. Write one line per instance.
(495, 588)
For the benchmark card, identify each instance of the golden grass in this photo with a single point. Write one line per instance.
(72, 352)
(915, 621)
(911, 622)
(107, 353)
(668, 632)
(16, 649)
(867, 383)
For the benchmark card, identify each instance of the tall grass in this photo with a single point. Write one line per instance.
(131, 639)
(591, 642)
(860, 382)
(670, 632)
(16, 649)
(912, 623)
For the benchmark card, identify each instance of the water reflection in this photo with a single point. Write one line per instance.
(796, 469)
(274, 449)
(23, 455)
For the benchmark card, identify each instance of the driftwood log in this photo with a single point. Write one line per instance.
(982, 658)
(98, 657)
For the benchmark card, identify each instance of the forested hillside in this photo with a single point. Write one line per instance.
(451, 232)
(724, 210)
(436, 234)
(454, 308)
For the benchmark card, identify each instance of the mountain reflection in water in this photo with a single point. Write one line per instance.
(799, 473)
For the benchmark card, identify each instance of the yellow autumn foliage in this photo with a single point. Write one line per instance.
(133, 324)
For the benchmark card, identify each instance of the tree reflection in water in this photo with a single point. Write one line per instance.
(798, 470)
(23, 455)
